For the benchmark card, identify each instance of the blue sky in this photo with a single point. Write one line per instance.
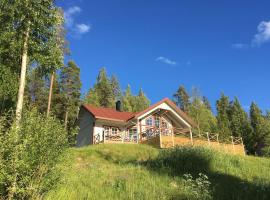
(217, 46)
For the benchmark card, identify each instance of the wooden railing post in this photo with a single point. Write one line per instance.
(208, 138)
(244, 151)
(191, 137)
(233, 145)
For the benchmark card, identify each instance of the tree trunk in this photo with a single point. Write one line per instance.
(50, 95)
(66, 119)
(22, 77)
(13, 186)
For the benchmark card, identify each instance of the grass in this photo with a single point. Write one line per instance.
(126, 171)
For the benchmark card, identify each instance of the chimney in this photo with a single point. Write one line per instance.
(118, 106)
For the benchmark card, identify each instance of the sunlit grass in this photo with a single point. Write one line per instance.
(125, 171)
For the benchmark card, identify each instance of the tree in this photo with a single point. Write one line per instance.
(203, 117)
(206, 103)
(181, 98)
(102, 93)
(127, 100)
(261, 130)
(34, 24)
(92, 98)
(70, 84)
(141, 102)
(37, 91)
(222, 117)
(116, 88)
(36, 27)
(239, 123)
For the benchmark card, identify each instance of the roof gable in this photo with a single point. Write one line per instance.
(182, 114)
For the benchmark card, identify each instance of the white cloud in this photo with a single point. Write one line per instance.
(239, 46)
(263, 34)
(68, 15)
(82, 28)
(166, 60)
(75, 29)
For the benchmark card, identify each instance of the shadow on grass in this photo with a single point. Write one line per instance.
(179, 161)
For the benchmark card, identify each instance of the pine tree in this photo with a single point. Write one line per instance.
(222, 117)
(181, 98)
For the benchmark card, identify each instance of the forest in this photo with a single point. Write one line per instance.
(40, 97)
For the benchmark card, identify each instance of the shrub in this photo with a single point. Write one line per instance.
(198, 188)
(29, 154)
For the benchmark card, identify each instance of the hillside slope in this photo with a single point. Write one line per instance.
(118, 171)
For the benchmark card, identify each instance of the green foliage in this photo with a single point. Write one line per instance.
(199, 188)
(102, 93)
(181, 98)
(125, 171)
(30, 159)
(37, 90)
(45, 48)
(202, 116)
(261, 130)
(116, 88)
(106, 92)
(70, 90)
(223, 118)
(134, 103)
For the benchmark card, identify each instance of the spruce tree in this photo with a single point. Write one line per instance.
(116, 88)
(141, 102)
(261, 130)
(104, 90)
(102, 93)
(206, 103)
(127, 100)
(181, 98)
(223, 118)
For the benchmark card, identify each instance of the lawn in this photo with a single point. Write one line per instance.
(131, 171)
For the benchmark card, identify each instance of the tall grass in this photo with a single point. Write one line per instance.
(115, 171)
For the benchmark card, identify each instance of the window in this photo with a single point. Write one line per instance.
(149, 121)
(106, 130)
(133, 131)
(157, 121)
(114, 131)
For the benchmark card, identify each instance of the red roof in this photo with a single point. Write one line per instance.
(109, 113)
(112, 114)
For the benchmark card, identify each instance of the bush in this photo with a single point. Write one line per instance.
(198, 188)
(28, 155)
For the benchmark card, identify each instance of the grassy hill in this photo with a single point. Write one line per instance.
(142, 172)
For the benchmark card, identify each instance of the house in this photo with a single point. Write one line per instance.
(157, 124)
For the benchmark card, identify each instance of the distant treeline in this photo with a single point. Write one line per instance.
(231, 119)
